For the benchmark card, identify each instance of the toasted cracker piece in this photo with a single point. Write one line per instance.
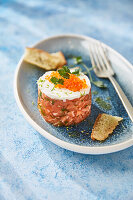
(44, 59)
(104, 125)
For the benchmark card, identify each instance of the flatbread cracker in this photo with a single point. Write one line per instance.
(104, 126)
(44, 59)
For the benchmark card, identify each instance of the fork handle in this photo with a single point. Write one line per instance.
(123, 97)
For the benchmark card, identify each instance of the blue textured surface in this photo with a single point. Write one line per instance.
(32, 168)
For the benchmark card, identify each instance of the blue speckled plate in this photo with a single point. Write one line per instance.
(77, 138)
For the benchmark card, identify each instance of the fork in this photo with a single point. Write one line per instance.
(103, 69)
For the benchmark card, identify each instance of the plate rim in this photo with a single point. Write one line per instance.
(54, 139)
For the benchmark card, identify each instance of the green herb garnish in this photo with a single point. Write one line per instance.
(53, 88)
(40, 81)
(47, 99)
(96, 83)
(103, 104)
(42, 111)
(66, 69)
(64, 72)
(52, 102)
(60, 81)
(39, 106)
(56, 80)
(40, 94)
(76, 72)
(95, 92)
(78, 60)
(33, 103)
(82, 94)
(74, 134)
(99, 84)
(108, 98)
(58, 94)
(64, 109)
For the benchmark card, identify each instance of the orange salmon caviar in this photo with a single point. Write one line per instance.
(74, 83)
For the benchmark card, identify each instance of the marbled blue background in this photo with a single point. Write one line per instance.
(32, 168)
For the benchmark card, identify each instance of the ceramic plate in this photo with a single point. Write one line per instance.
(77, 138)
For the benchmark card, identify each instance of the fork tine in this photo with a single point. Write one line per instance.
(91, 57)
(100, 57)
(97, 60)
(102, 50)
(94, 58)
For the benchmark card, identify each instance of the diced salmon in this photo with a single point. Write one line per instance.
(60, 113)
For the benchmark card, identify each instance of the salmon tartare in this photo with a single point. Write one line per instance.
(64, 96)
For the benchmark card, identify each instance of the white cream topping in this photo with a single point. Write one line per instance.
(49, 89)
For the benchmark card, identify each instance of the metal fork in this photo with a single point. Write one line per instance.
(103, 69)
